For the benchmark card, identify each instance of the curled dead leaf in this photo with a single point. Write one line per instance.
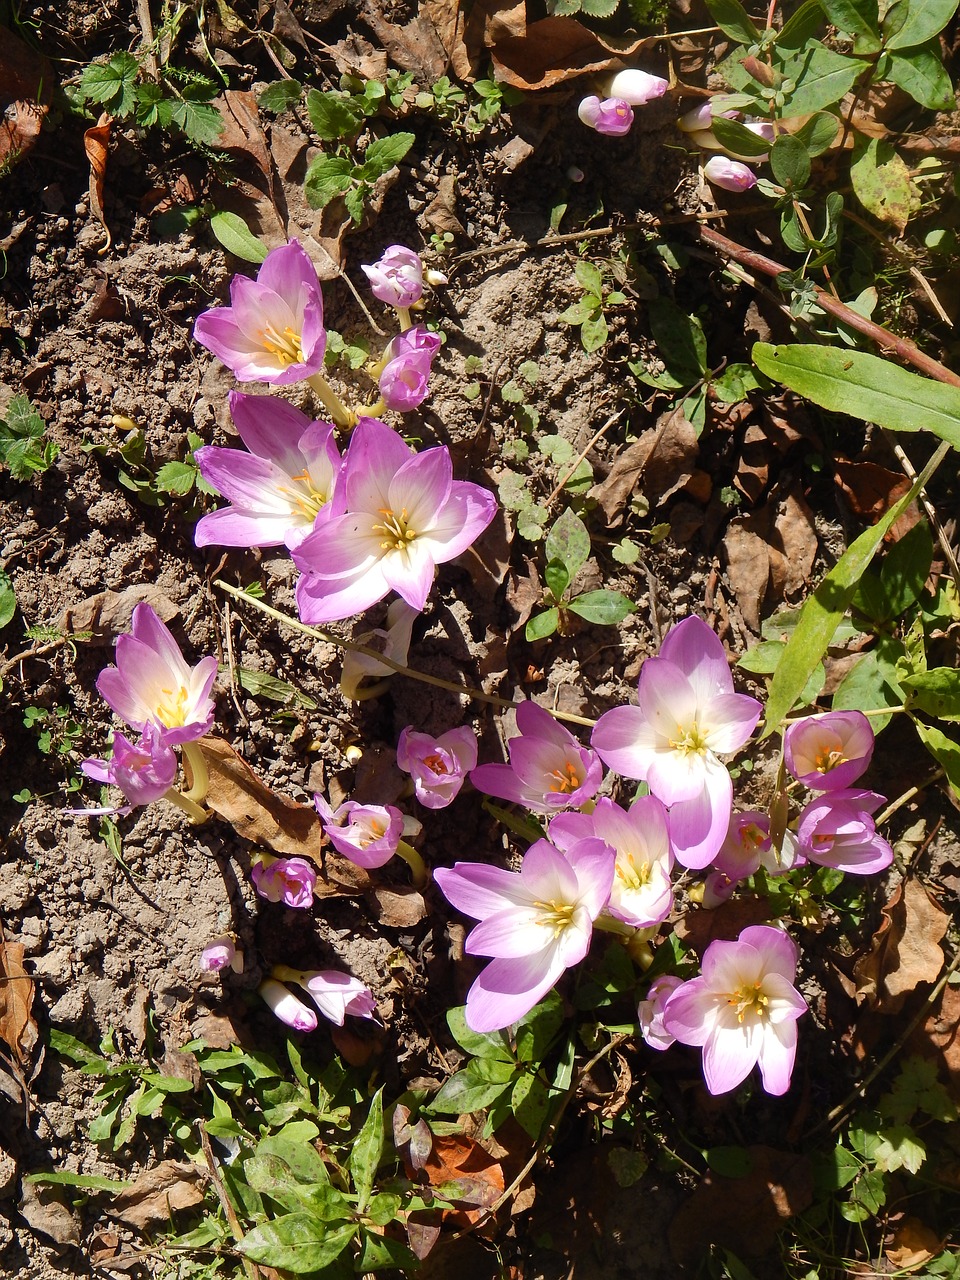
(553, 50)
(96, 144)
(158, 1192)
(27, 81)
(913, 1244)
(904, 951)
(18, 1029)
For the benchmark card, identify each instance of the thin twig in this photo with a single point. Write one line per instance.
(583, 453)
(401, 668)
(251, 1270)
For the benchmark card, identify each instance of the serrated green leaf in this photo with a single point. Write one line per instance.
(865, 387)
(353, 200)
(326, 178)
(112, 83)
(542, 625)
(381, 156)
(297, 1242)
(333, 117)
(176, 477)
(599, 8)
(236, 237)
(199, 121)
(899, 1148)
(279, 96)
(603, 608)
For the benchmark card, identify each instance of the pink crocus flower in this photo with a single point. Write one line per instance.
(407, 360)
(642, 894)
(273, 330)
(367, 834)
(748, 846)
(610, 116)
(650, 1011)
(549, 770)
(637, 87)
(337, 994)
(742, 1010)
(221, 953)
(144, 771)
(837, 830)
(393, 641)
(732, 175)
(396, 278)
(404, 515)
(287, 880)
(280, 488)
(152, 683)
(438, 766)
(287, 1007)
(829, 752)
(688, 716)
(535, 923)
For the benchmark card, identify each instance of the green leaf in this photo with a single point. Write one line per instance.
(568, 542)
(279, 96)
(921, 73)
(589, 278)
(856, 18)
(112, 83)
(262, 685)
(822, 78)
(236, 237)
(297, 1242)
(168, 1084)
(476, 1043)
(593, 333)
(822, 612)
(801, 27)
(577, 314)
(734, 21)
(935, 692)
(604, 608)
(537, 1030)
(790, 162)
(333, 117)
(353, 200)
(599, 8)
(867, 687)
(557, 578)
(835, 1169)
(680, 341)
(326, 178)
(380, 157)
(530, 1103)
(914, 22)
(737, 139)
(542, 625)
(86, 1181)
(8, 599)
(176, 477)
(200, 121)
(865, 387)
(367, 1151)
(383, 1253)
(881, 181)
(944, 750)
(905, 569)
(917, 1088)
(818, 133)
(294, 1146)
(466, 1091)
(899, 1148)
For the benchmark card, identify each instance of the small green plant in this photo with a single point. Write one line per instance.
(136, 470)
(57, 731)
(343, 174)
(23, 449)
(8, 599)
(183, 478)
(567, 549)
(588, 313)
(178, 99)
(644, 13)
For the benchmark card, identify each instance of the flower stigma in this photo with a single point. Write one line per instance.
(689, 741)
(568, 779)
(555, 915)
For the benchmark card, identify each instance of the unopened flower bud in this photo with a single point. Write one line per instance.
(287, 1006)
(221, 953)
(637, 87)
(731, 175)
(612, 116)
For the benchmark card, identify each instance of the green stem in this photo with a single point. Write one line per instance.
(196, 814)
(199, 777)
(418, 867)
(338, 411)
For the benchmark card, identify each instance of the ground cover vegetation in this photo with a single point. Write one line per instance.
(480, 606)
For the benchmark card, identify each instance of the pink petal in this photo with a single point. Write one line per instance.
(697, 650)
(270, 427)
(375, 455)
(508, 989)
(508, 934)
(547, 875)
(625, 741)
(777, 1056)
(480, 890)
(730, 1054)
(729, 720)
(778, 949)
(466, 513)
(698, 827)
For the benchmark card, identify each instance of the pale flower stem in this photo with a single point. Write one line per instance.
(374, 410)
(341, 415)
(636, 941)
(418, 867)
(283, 973)
(907, 796)
(403, 315)
(194, 811)
(198, 776)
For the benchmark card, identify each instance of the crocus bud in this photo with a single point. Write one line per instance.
(637, 87)
(287, 880)
(337, 994)
(438, 766)
(696, 119)
(406, 368)
(394, 643)
(434, 278)
(612, 116)
(731, 175)
(397, 278)
(650, 1011)
(287, 1006)
(221, 953)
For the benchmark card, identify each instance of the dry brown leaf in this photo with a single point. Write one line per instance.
(242, 134)
(553, 50)
(108, 613)
(659, 463)
(769, 551)
(449, 22)
(18, 1029)
(399, 908)
(941, 1034)
(913, 1244)
(793, 547)
(871, 491)
(45, 1212)
(748, 563)
(753, 465)
(743, 1214)
(355, 56)
(158, 1192)
(415, 47)
(27, 81)
(455, 1158)
(486, 23)
(698, 928)
(904, 950)
(96, 144)
(440, 214)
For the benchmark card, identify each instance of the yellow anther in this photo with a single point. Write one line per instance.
(286, 346)
(568, 779)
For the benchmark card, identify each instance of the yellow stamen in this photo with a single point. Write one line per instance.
(307, 499)
(828, 759)
(568, 779)
(436, 765)
(555, 915)
(689, 740)
(286, 346)
(749, 999)
(398, 535)
(632, 875)
(171, 711)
